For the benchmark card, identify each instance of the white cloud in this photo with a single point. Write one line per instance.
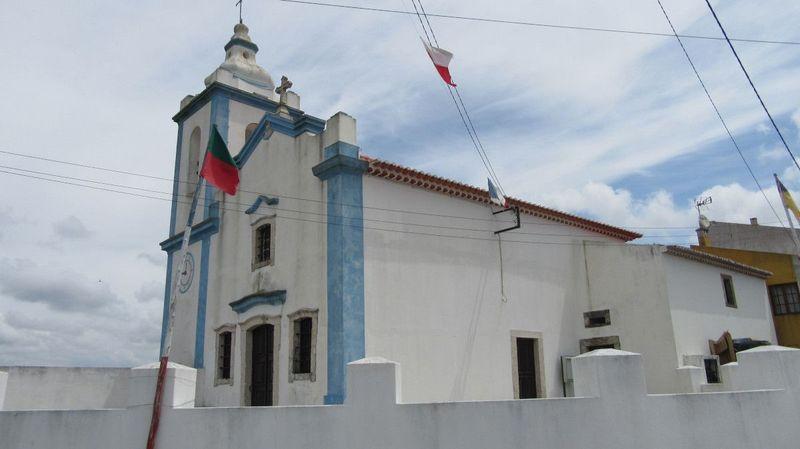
(71, 228)
(150, 291)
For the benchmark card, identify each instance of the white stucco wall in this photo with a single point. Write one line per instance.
(615, 413)
(433, 303)
(629, 281)
(699, 313)
(52, 388)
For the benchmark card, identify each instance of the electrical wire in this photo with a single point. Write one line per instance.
(323, 202)
(750, 80)
(719, 114)
(179, 201)
(540, 25)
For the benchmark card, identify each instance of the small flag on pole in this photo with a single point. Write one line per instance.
(219, 169)
(441, 60)
(495, 196)
(786, 198)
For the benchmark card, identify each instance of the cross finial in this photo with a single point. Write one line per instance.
(239, 4)
(281, 90)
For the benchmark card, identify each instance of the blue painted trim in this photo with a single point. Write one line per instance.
(242, 42)
(200, 330)
(165, 313)
(269, 201)
(200, 231)
(342, 148)
(273, 298)
(338, 165)
(343, 172)
(297, 123)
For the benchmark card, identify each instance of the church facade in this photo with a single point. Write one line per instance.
(326, 256)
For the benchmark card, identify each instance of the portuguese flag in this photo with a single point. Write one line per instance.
(219, 169)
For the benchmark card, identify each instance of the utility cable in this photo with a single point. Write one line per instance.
(540, 25)
(719, 114)
(383, 209)
(179, 201)
(750, 80)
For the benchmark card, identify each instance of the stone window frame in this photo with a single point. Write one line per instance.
(253, 248)
(541, 386)
(244, 328)
(217, 333)
(593, 315)
(612, 340)
(314, 315)
(729, 302)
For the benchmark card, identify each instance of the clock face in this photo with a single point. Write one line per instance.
(187, 274)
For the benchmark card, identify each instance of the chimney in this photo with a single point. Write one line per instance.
(754, 221)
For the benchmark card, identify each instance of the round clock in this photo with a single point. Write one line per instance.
(186, 276)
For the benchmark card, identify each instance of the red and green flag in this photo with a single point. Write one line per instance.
(219, 169)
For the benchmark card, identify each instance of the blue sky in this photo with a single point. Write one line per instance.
(614, 127)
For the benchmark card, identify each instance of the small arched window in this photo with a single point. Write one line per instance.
(193, 167)
(251, 128)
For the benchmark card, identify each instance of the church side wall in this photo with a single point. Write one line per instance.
(279, 167)
(699, 313)
(434, 303)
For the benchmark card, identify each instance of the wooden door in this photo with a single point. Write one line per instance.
(261, 361)
(526, 367)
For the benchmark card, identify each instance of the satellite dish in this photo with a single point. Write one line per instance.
(705, 223)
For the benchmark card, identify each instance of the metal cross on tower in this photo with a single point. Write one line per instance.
(239, 4)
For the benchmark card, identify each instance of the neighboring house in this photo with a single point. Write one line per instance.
(770, 248)
(326, 256)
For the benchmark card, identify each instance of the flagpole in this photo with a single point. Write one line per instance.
(164, 359)
(788, 216)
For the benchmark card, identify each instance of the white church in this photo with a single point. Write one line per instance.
(339, 301)
(327, 255)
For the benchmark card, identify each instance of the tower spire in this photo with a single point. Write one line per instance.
(240, 69)
(239, 4)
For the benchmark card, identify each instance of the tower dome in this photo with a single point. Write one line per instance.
(240, 69)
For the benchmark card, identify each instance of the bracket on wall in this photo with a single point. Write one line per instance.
(515, 209)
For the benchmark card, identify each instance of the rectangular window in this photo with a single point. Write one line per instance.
(262, 246)
(302, 346)
(224, 355)
(785, 298)
(730, 295)
(597, 318)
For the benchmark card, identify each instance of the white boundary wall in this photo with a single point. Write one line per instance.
(614, 412)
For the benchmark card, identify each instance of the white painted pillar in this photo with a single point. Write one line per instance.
(764, 367)
(179, 386)
(609, 373)
(3, 386)
(373, 382)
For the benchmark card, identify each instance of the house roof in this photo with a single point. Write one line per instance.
(417, 178)
(711, 259)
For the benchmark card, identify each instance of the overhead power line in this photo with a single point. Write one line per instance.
(383, 209)
(750, 80)
(719, 114)
(540, 24)
(400, 231)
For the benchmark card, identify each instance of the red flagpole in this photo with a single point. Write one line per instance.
(162, 367)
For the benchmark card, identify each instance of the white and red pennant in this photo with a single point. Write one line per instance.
(441, 60)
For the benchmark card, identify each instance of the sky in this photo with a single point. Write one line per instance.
(613, 127)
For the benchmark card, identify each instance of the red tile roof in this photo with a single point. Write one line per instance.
(718, 261)
(417, 178)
